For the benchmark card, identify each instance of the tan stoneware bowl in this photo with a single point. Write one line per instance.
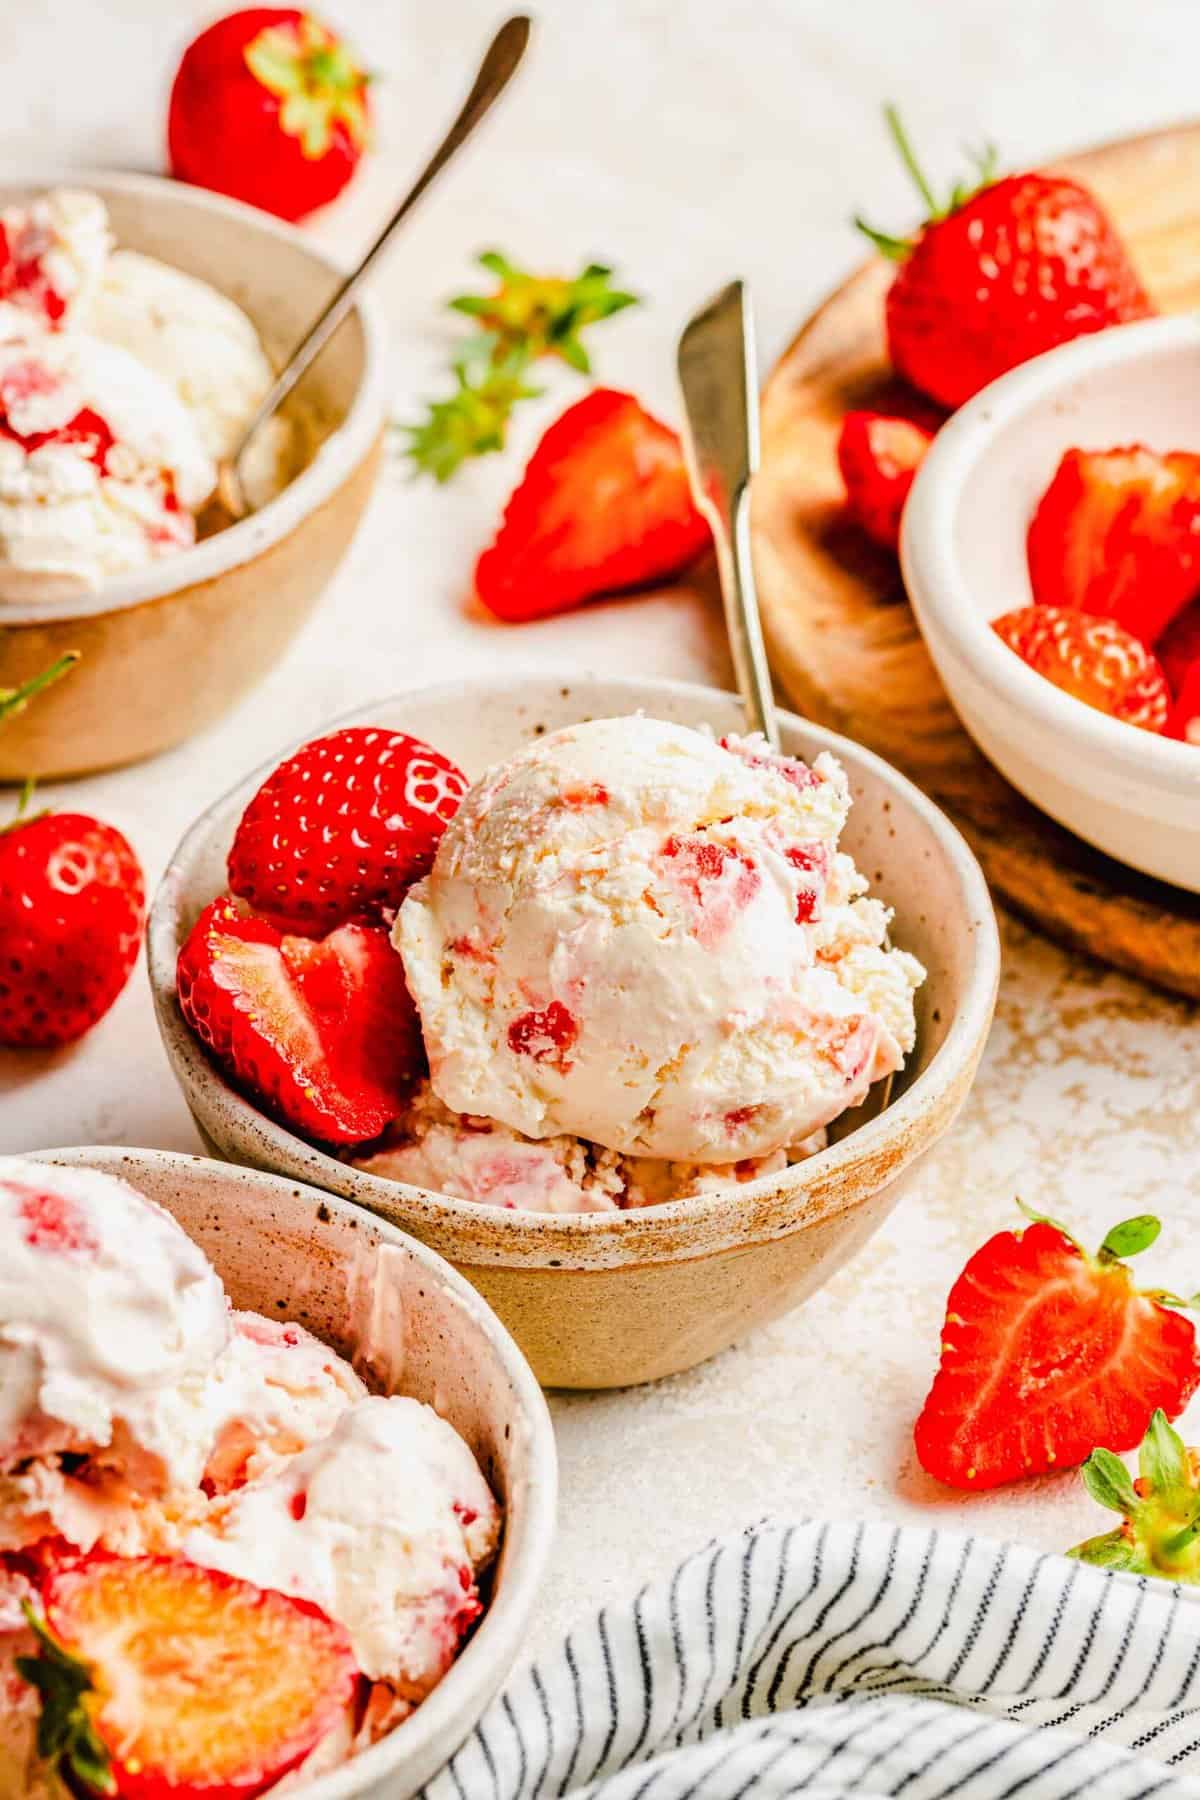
(606, 1299)
(168, 649)
(291, 1252)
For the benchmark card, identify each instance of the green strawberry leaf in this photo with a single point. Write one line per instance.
(1163, 1461)
(1109, 1482)
(1111, 1551)
(66, 1735)
(1131, 1237)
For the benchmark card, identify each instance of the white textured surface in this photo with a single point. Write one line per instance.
(684, 149)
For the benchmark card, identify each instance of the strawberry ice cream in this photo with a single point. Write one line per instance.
(141, 1416)
(481, 1160)
(52, 253)
(635, 935)
(383, 1523)
(110, 1320)
(101, 467)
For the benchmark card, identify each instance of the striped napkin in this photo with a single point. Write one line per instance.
(857, 1660)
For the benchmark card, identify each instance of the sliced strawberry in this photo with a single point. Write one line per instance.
(604, 505)
(1047, 1352)
(1093, 659)
(1179, 646)
(1184, 722)
(164, 1681)
(342, 829)
(1117, 534)
(324, 1034)
(878, 456)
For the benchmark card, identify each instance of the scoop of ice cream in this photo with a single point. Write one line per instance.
(110, 1321)
(385, 1524)
(480, 1160)
(100, 466)
(204, 345)
(52, 254)
(639, 936)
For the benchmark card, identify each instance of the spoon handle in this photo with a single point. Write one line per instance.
(718, 377)
(495, 72)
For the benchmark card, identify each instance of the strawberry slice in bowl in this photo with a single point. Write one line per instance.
(160, 1680)
(322, 1033)
(1093, 659)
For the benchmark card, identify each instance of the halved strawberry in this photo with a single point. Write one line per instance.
(1046, 1352)
(163, 1681)
(878, 456)
(1179, 646)
(604, 505)
(1117, 534)
(1093, 659)
(1184, 722)
(324, 1034)
(341, 830)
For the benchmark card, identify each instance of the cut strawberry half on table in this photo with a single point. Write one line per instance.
(999, 272)
(1117, 534)
(1047, 1352)
(323, 1033)
(342, 829)
(603, 506)
(163, 1681)
(1093, 659)
(1160, 1530)
(879, 456)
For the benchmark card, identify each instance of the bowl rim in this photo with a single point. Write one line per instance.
(345, 447)
(501, 1633)
(941, 595)
(590, 1239)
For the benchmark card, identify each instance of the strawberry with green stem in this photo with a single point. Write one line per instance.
(1160, 1510)
(1047, 1351)
(1000, 271)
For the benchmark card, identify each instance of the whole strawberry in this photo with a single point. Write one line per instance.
(1000, 272)
(72, 905)
(342, 829)
(270, 106)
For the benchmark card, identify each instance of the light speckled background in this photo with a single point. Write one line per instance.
(684, 145)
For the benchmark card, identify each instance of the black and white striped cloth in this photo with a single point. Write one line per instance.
(833, 1660)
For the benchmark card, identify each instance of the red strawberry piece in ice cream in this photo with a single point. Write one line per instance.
(53, 1222)
(547, 1035)
(716, 880)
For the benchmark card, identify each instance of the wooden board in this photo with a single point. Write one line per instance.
(843, 641)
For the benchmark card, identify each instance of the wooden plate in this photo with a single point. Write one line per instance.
(843, 641)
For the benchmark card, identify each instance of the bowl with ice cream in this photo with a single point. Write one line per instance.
(277, 1483)
(590, 992)
(588, 1021)
(140, 323)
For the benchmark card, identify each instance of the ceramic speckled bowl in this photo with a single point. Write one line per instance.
(606, 1299)
(169, 648)
(413, 1327)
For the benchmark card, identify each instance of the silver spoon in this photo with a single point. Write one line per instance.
(718, 376)
(495, 72)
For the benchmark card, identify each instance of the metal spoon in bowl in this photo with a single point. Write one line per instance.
(718, 377)
(495, 72)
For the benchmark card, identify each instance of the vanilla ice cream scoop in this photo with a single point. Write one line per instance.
(637, 935)
(384, 1524)
(110, 1321)
(52, 255)
(101, 468)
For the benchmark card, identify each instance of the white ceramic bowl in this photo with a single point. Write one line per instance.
(291, 1252)
(604, 1299)
(1129, 792)
(168, 648)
